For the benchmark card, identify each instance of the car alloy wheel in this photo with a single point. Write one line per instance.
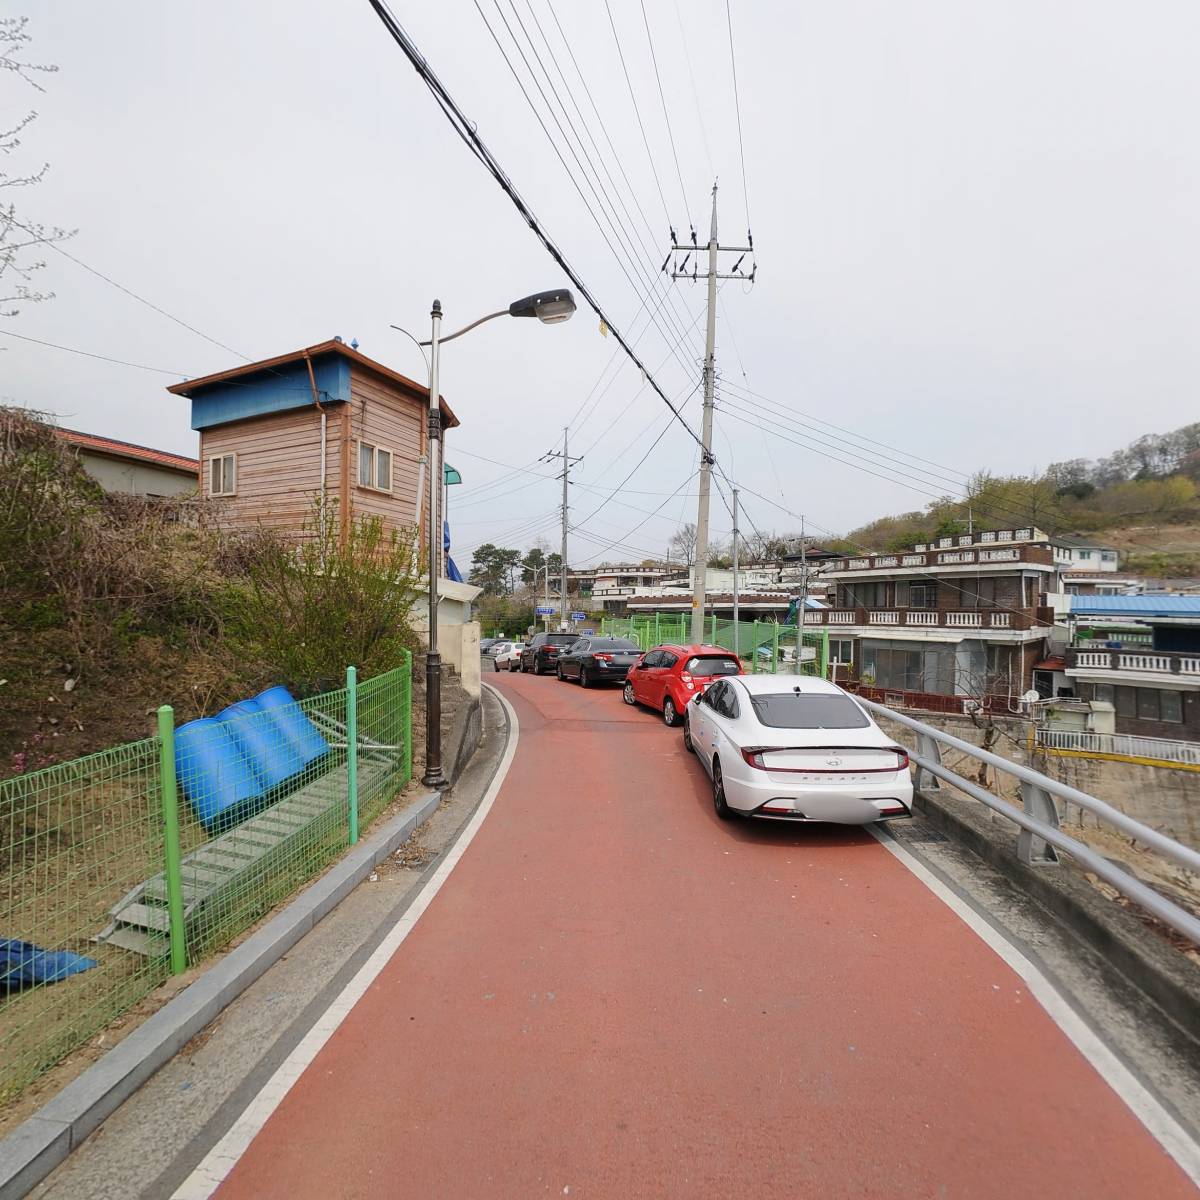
(585, 679)
(723, 810)
(670, 716)
(561, 676)
(627, 694)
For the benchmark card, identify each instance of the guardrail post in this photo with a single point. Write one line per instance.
(1032, 850)
(928, 748)
(352, 752)
(176, 932)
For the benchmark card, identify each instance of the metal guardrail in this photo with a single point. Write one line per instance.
(1040, 835)
(1084, 742)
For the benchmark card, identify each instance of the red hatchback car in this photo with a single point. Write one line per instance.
(669, 677)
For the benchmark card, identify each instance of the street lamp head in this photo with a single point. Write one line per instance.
(548, 307)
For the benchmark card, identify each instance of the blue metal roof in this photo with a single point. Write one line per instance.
(1135, 606)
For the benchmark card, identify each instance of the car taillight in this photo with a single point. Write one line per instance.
(753, 756)
(902, 755)
(602, 657)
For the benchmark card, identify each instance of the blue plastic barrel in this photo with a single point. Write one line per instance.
(296, 727)
(261, 742)
(212, 771)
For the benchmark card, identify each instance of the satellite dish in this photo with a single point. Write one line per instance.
(1031, 697)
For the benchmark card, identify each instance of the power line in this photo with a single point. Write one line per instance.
(470, 137)
(737, 104)
(687, 56)
(88, 354)
(630, 256)
(131, 293)
(637, 112)
(666, 115)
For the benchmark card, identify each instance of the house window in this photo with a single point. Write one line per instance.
(1126, 702)
(1171, 707)
(977, 593)
(1102, 691)
(222, 475)
(1084, 555)
(1147, 704)
(374, 467)
(841, 650)
(1109, 556)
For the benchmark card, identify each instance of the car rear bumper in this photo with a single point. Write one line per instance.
(841, 804)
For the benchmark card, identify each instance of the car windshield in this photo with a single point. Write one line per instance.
(712, 664)
(614, 644)
(796, 710)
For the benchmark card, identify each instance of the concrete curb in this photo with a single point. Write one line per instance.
(1168, 980)
(39, 1144)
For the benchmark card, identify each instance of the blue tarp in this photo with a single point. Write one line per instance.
(24, 965)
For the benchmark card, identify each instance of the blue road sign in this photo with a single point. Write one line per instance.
(579, 616)
(543, 610)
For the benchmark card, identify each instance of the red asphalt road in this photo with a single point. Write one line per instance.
(617, 995)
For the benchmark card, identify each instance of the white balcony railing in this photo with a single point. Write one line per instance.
(1093, 658)
(884, 618)
(1143, 662)
(1082, 742)
(837, 617)
(1001, 620)
(964, 620)
(913, 617)
(1189, 666)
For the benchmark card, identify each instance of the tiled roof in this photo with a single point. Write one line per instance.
(103, 445)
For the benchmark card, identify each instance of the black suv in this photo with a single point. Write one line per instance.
(542, 653)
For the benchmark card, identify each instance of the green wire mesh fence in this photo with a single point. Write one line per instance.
(130, 864)
(765, 646)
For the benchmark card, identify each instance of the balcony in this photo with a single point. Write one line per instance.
(950, 556)
(1136, 662)
(1019, 619)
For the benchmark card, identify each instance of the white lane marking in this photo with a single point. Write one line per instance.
(1163, 1127)
(223, 1157)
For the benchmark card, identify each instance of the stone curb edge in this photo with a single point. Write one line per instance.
(32, 1150)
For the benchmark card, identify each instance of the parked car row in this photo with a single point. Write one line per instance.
(775, 747)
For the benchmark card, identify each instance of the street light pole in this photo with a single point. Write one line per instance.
(550, 308)
(434, 776)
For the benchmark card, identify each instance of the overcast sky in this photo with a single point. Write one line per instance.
(977, 228)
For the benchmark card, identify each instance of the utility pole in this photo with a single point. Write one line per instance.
(568, 462)
(680, 271)
(735, 574)
(803, 596)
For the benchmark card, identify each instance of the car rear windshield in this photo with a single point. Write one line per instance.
(561, 639)
(614, 644)
(795, 710)
(712, 664)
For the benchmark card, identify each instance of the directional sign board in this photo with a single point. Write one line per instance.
(579, 616)
(588, 632)
(543, 610)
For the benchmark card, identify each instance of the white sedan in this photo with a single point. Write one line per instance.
(791, 748)
(508, 656)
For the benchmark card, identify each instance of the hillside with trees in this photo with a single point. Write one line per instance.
(1143, 498)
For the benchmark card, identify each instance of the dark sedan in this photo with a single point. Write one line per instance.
(542, 653)
(598, 660)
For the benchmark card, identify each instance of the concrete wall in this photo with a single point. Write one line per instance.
(459, 647)
(139, 479)
(1164, 798)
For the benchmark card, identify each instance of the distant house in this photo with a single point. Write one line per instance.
(1155, 689)
(1080, 554)
(320, 424)
(127, 467)
(961, 617)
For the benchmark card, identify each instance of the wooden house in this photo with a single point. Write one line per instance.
(324, 423)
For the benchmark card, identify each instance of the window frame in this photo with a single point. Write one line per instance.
(213, 459)
(1177, 698)
(375, 448)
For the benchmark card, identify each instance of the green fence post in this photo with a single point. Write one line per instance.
(408, 762)
(352, 750)
(170, 813)
(775, 648)
(823, 651)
